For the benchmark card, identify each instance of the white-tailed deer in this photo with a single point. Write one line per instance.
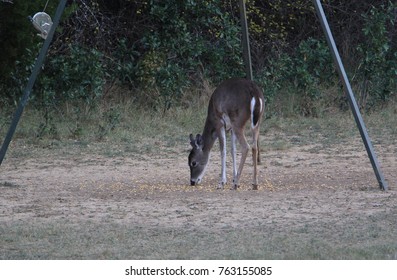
(232, 104)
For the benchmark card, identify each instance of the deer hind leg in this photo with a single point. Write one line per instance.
(255, 155)
(259, 151)
(244, 151)
(222, 144)
(233, 150)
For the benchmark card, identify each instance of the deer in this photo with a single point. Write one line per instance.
(232, 104)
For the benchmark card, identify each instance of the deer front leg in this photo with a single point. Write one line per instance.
(222, 144)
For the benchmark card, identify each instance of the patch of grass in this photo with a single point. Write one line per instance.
(62, 240)
(282, 134)
(383, 122)
(123, 123)
(136, 129)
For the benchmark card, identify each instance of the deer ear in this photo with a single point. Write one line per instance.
(199, 141)
(192, 140)
(196, 142)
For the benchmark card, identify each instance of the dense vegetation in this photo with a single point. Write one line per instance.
(155, 52)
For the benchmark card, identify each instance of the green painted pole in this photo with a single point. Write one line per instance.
(245, 40)
(349, 92)
(32, 80)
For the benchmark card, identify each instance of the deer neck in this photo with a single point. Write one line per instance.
(209, 135)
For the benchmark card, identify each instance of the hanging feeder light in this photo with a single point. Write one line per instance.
(42, 22)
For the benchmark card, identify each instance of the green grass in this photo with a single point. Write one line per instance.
(122, 121)
(128, 125)
(63, 240)
(140, 130)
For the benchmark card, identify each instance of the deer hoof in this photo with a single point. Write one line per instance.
(254, 187)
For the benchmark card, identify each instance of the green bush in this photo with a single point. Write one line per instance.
(194, 38)
(304, 73)
(156, 51)
(377, 70)
(76, 75)
(312, 66)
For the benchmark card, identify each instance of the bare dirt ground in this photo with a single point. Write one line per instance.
(314, 201)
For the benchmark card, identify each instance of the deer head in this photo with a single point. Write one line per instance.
(198, 159)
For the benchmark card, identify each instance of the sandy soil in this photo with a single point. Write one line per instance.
(299, 183)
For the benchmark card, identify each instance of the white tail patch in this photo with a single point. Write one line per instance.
(261, 108)
(253, 103)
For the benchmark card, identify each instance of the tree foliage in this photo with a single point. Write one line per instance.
(162, 48)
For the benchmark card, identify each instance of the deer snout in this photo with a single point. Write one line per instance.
(194, 182)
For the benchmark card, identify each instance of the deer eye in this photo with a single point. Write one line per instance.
(193, 164)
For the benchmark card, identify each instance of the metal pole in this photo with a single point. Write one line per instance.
(245, 40)
(32, 79)
(352, 101)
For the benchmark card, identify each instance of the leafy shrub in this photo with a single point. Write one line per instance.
(305, 72)
(194, 38)
(313, 66)
(157, 50)
(123, 66)
(377, 70)
(76, 75)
